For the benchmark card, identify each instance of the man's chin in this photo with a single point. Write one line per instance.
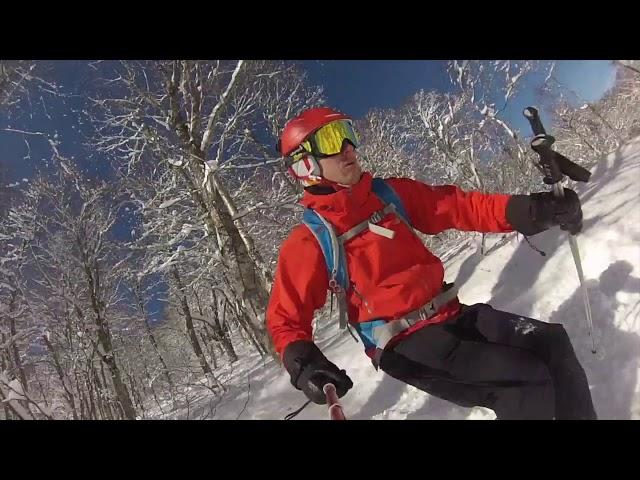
(352, 180)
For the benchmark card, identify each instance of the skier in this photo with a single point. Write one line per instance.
(390, 286)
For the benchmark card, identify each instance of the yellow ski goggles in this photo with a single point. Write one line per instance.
(327, 140)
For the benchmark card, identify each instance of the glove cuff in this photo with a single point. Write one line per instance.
(525, 214)
(298, 355)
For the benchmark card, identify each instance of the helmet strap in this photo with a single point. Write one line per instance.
(307, 170)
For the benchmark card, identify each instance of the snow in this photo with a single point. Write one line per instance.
(168, 203)
(511, 277)
(186, 229)
(7, 286)
(169, 262)
(15, 391)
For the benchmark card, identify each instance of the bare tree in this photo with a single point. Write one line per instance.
(631, 65)
(14, 77)
(204, 119)
(75, 248)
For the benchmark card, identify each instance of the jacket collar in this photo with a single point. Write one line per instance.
(347, 206)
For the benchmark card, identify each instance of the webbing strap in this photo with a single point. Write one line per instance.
(382, 334)
(375, 218)
(343, 309)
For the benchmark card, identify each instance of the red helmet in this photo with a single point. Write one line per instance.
(299, 128)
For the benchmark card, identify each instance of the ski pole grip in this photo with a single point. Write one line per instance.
(541, 144)
(335, 409)
(555, 165)
(330, 394)
(531, 114)
(572, 169)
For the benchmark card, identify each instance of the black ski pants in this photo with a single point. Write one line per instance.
(519, 367)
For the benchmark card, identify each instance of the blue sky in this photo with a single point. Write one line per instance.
(589, 79)
(355, 86)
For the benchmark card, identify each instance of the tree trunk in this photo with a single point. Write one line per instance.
(14, 405)
(104, 336)
(100, 402)
(15, 354)
(84, 404)
(250, 281)
(150, 335)
(58, 367)
(135, 393)
(153, 391)
(253, 275)
(248, 328)
(211, 345)
(220, 333)
(3, 367)
(254, 278)
(207, 345)
(122, 393)
(189, 322)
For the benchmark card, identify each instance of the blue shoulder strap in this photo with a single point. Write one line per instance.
(389, 196)
(326, 237)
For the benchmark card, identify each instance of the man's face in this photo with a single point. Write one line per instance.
(342, 168)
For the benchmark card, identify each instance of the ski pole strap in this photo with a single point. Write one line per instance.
(382, 334)
(533, 247)
(293, 414)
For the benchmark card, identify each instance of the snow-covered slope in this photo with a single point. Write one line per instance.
(512, 277)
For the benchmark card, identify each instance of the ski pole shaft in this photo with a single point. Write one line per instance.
(558, 191)
(554, 173)
(573, 243)
(335, 409)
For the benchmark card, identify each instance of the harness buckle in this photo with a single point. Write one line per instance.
(376, 217)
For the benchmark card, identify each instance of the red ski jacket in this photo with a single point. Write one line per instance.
(389, 277)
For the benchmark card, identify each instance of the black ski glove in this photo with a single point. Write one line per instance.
(534, 213)
(310, 371)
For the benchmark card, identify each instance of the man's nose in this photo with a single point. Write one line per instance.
(347, 147)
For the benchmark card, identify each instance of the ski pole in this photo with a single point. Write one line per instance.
(555, 166)
(335, 409)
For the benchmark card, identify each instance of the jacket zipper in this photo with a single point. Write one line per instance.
(361, 297)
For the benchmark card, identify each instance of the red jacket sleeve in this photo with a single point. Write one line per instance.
(299, 288)
(433, 209)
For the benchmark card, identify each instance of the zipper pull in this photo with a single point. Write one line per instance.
(361, 297)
